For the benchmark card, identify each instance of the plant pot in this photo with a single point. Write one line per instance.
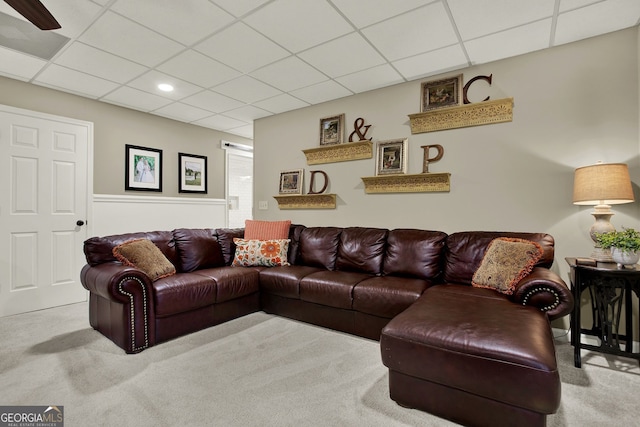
(624, 257)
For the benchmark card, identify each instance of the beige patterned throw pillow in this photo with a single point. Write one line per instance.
(143, 254)
(505, 263)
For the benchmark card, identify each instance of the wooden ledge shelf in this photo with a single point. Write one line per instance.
(307, 201)
(476, 114)
(416, 183)
(339, 152)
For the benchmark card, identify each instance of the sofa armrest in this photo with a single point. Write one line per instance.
(127, 287)
(545, 290)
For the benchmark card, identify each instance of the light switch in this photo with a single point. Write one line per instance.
(263, 205)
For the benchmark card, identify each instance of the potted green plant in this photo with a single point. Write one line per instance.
(625, 245)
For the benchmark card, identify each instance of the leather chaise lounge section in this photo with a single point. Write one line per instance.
(451, 348)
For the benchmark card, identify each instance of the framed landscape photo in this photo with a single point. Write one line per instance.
(192, 173)
(291, 181)
(332, 130)
(441, 93)
(392, 157)
(143, 168)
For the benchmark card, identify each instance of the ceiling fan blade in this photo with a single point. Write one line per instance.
(35, 12)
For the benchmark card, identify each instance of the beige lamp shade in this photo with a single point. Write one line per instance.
(602, 184)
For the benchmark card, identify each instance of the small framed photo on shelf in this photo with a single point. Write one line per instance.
(143, 168)
(392, 157)
(291, 181)
(332, 130)
(192, 174)
(441, 93)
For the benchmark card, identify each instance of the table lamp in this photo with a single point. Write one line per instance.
(602, 185)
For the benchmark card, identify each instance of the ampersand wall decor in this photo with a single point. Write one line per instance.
(358, 124)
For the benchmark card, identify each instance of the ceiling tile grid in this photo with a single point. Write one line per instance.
(234, 61)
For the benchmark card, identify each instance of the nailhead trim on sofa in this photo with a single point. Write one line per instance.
(545, 289)
(144, 308)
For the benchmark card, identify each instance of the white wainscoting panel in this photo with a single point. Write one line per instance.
(117, 214)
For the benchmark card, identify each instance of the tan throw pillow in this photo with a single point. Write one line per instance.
(266, 230)
(143, 254)
(505, 263)
(265, 253)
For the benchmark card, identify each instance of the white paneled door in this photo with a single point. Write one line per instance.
(44, 207)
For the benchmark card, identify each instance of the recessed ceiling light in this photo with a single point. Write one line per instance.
(165, 87)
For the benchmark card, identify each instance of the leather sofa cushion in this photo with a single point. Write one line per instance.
(99, 250)
(285, 281)
(197, 249)
(319, 247)
(477, 341)
(225, 239)
(232, 282)
(387, 296)
(183, 292)
(330, 288)
(465, 250)
(414, 253)
(361, 250)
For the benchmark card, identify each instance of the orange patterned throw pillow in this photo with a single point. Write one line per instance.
(266, 253)
(266, 230)
(505, 263)
(145, 255)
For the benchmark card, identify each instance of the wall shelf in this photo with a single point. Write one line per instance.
(415, 183)
(476, 114)
(306, 201)
(339, 152)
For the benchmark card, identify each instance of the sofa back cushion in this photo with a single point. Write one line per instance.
(197, 249)
(414, 253)
(318, 247)
(225, 239)
(99, 250)
(361, 250)
(465, 250)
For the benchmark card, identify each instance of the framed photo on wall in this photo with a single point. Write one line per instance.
(332, 130)
(441, 93)
(143, 168)
(392, 157)
(192, 173)
(291, 181)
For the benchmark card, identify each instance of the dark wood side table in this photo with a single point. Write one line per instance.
(610, 288)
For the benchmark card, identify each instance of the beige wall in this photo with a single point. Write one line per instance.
(574, 105)
(114, 127)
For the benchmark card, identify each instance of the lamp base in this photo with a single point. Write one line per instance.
(601, 254)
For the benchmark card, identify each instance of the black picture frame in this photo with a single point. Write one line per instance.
(192, 173)
(143, 168)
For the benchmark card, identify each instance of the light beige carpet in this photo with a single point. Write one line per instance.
(259, 370)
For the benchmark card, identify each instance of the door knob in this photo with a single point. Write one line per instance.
(79, 223)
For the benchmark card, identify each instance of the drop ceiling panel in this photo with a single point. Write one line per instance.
(75, 81)
(476, 18)
(363, 13)
(149, 83)
(419, 31)
(120, 36)
(247, 89)
(597, 19)
(279, 74)
(299, 24)
(247, 114)
(242, 48)
(240, 7)
(212, 101)
(527, 38)
(136, 99)
(430, 63)
(281, 103)
(344, 55)
(220, 122)
(18, 66)
(182, 112)
(99, 63)
(197, 68)
(321, 92)
(186, 21)
(372, 78)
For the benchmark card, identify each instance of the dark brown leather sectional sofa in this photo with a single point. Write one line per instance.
(469, 354)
